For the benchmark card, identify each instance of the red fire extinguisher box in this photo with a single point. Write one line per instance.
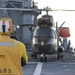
(64, 32)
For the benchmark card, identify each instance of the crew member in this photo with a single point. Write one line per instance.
(11, 51)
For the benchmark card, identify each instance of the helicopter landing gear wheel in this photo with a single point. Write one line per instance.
(35, 56)
(32, 55)
(43, 58)
(60, 56)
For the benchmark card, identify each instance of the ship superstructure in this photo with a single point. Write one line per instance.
(23, 19)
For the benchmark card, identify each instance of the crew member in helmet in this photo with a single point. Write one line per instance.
(11, 50)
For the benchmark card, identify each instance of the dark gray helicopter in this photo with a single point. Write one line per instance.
(44, 38)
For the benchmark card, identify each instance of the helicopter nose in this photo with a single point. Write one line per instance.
(46, 48)
(51, 41)
(50, 47)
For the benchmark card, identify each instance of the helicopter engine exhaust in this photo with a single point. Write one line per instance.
(46, 21)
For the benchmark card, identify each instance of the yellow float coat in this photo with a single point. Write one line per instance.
(11, 52)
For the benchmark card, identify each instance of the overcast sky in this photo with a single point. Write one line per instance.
(69, 17)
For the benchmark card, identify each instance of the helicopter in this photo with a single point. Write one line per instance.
(44, 38)
(45, 24)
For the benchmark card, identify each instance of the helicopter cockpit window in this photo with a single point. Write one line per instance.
(41, 32)
(44, 32)
(52, 34)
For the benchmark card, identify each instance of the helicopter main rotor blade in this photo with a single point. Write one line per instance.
(60, 10)
(55, 10)
(22, 9)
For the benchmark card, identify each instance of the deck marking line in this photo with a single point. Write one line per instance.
(32, 62)
(38, 69)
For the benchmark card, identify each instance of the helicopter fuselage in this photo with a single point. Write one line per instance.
(44, 40)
